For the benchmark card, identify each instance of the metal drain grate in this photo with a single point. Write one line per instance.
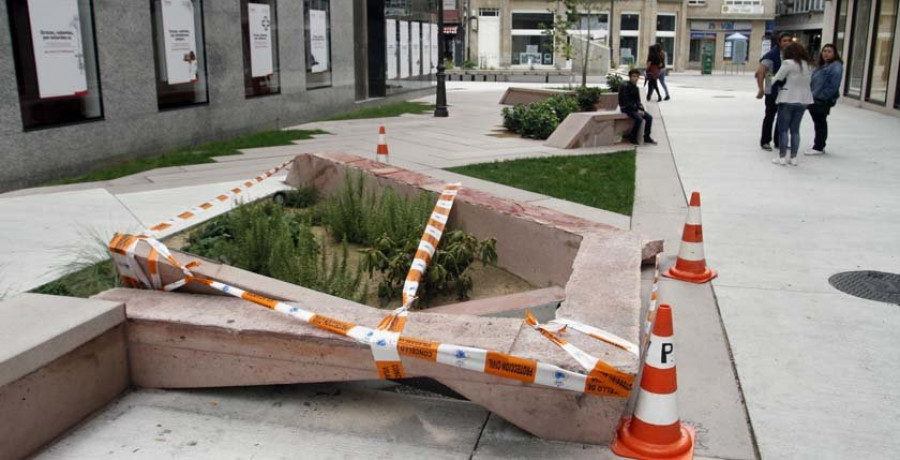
(868, 284)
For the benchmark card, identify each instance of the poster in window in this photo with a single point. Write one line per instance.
(391, 39)
(180, 41)
(434, 45)
(318, 40)
(426, 48)
(260, 40)
(416, 49)
(404, 49)
(58, 51)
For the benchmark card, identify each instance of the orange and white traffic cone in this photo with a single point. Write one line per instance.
(691, 263)
(655, 430)
(381, 154)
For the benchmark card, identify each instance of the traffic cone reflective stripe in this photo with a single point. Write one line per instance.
(382, 152)
(655, 431)
(691, 263)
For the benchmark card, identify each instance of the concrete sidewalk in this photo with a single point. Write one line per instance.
(813, 362)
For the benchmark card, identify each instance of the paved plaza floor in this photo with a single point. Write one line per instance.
(773, 361)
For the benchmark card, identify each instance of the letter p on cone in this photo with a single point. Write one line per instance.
(381, 155)
(691, 263)
(655, 430)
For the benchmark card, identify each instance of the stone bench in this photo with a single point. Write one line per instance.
(61, 358)
(591, 129)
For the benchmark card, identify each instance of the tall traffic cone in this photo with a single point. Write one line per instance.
(691, 263)
(655, 431)
(382, 153)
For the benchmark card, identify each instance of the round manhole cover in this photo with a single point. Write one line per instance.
(868, 284)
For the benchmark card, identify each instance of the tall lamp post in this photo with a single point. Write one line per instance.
(440, 107)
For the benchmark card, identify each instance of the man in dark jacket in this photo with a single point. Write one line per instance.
(768, 66)
(630, 104)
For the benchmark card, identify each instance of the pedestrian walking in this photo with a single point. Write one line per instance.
(826, 84)
(630, 104)
(653, 67)
(769, 65)
(793, 96)
(663, 70)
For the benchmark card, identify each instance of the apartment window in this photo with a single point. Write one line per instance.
(317, 35)
(530, 45)
(858, 42)
(665, 35)
(532, 21)
(696, 2)
(489, 11)
(882, 48)
(56, 61)
(629, 30)
(259, 27)
(179, 52)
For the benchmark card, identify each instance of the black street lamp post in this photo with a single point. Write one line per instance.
(440, 108)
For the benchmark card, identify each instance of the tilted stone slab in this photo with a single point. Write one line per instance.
(197, 338)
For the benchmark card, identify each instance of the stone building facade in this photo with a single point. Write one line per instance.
(503, 33)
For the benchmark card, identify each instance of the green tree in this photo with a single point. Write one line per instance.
(567, 15)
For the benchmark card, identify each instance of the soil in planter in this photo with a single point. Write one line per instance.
(491, 281)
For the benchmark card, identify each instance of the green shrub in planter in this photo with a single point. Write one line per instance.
(614, 81)
(538, 119)
(588, 97)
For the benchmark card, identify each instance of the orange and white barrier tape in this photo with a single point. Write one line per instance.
(231, 194)
(384, 347)
(561, 324)
(430, 239)
(604, 380)
(602, 373)
(651, 304)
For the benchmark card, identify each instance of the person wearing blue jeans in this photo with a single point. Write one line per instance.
(789, 118)
(794, 94)
(630, 104)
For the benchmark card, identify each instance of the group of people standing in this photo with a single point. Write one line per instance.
(790, 88)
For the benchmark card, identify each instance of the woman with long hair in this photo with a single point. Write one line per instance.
(663, 70)
(826, 88)
(653, 66)
(794, 94)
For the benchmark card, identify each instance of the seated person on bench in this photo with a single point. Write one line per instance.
(630, 104)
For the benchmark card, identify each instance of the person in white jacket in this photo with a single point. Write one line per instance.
(794, 95)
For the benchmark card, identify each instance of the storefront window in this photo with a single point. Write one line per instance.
(882, 48)
(259, 27)
(56, 61)
(532, 50)
(179, 52)
(665, 36)
(840, 25)
(858, 43)
(410, 45)
(530, 45)
(317, 38)
(629, 29)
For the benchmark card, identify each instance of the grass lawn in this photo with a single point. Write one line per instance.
(85, 282)
(604, 181)
(388, 110)
(190, 156)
